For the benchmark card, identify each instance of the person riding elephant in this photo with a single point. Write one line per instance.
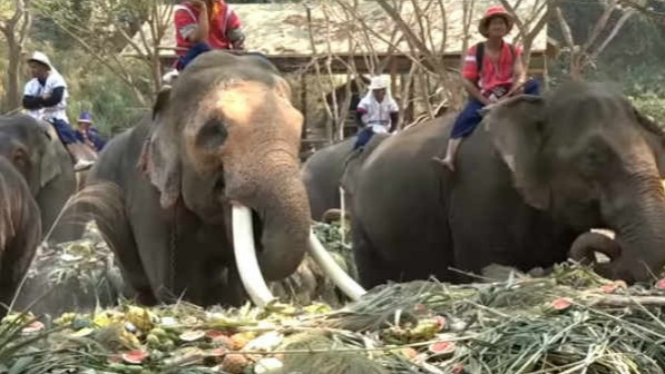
(322, 173)
(191, 187)
(45, 98)
(377, 112)
(492, 72)
(540, 173)
(20, 231)
(38, 154)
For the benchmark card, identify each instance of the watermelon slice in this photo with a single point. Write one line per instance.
(442, 347)
(561, 304)
(457, 369)
(33, 328)
(135, 357)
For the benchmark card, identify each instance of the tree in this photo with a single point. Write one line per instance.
(15, 29)
(581, 55)
(110, 28)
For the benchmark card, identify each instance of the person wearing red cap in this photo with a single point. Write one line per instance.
(492, 71)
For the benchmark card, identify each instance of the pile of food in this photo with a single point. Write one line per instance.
(569, 322)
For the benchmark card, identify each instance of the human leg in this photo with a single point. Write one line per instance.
(532, 87)
(466, 122)
(364, 137)
(191, 54)
(83, 157)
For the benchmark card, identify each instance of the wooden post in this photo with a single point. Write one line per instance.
(393, 75)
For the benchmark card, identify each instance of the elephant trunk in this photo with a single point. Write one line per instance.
(278, 199)
(271, 187)
(640, 231)
(286, 225)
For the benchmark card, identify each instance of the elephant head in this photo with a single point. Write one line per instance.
(587, 156)
(224, 140)
(28, 144)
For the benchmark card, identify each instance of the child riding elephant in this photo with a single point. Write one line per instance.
(492, 71)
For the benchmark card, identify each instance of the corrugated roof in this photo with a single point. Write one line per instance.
(282, 29)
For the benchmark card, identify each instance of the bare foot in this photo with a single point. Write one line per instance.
(445, 162)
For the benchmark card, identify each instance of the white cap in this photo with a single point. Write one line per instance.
(377, 83)
(41, 57)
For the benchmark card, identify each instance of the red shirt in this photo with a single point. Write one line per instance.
(187, 18)
(492, 75)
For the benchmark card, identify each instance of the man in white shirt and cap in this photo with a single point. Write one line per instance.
(45, 98)
(377, 112)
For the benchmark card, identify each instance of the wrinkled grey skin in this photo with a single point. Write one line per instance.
(537, 174)
(20, 231)
(47, 168)
(178, 172)
(322, 173)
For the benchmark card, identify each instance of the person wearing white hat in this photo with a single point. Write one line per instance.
(45, 98)
(377, 112)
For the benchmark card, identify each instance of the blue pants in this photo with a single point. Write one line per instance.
(65, 131)
(469, 118)
(191, 54)
(364, 136)
(200, 48)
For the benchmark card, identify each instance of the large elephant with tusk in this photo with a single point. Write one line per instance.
(202, 200)
(529, 184)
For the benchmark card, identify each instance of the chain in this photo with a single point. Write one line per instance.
(172, 248)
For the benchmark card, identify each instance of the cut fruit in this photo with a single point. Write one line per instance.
(135, 357)
(190, 336)
(442, 347)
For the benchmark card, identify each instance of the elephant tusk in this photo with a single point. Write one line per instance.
(245, 254)
(341, 279)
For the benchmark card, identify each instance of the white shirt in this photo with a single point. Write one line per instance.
(375, 114)
(53, 81)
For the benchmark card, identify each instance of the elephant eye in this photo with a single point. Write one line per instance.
(212, 135)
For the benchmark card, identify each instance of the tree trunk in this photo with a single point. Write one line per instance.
(13, 99)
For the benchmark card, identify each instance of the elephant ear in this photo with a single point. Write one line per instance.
(517, 130)
(655, 136)
(49, 163)
(159, 158)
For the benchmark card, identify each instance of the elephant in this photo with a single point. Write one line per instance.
(35, 150)
(186, 193)
(322, 173)
(20, 231)
(537, 174)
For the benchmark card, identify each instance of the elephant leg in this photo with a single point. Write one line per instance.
(373, 270)
(119, 236)
(15, 261)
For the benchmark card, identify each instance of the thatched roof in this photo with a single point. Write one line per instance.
(283, 30)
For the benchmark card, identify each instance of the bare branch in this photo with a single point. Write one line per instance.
(600, 25)
(624, 18)
(405, 28)
(565, 29)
